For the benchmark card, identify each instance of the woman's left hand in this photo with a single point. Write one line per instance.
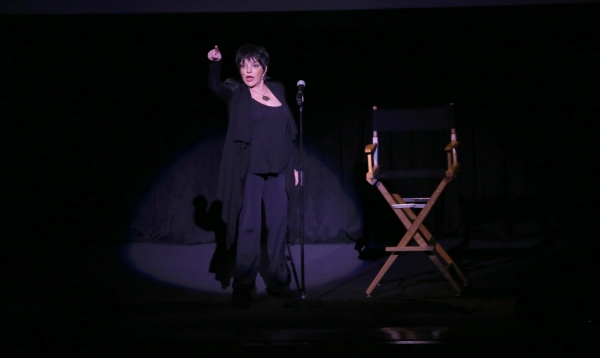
(295, 177)
(214, 54)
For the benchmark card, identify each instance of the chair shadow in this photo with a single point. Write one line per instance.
(208, 218)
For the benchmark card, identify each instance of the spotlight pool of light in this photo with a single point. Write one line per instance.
(171, 242)
(188, 266)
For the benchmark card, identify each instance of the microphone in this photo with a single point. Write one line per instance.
(300, 95)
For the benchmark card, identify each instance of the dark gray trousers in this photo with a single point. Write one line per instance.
(270, 191)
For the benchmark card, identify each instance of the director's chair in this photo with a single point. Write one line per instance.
(417, 236)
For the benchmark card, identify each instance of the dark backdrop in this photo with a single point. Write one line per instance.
(111, 134)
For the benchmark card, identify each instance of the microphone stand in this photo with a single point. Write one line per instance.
(303, 302)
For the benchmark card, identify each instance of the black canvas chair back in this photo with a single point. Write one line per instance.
(413, 119)
(407, 136)
(417, 236)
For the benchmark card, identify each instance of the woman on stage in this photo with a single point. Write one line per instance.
(257, 168)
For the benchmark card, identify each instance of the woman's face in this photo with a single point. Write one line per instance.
(251, 72)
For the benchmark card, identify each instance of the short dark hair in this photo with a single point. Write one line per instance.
(252, 52)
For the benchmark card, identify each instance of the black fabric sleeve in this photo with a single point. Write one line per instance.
(224, 90)
(295, 158)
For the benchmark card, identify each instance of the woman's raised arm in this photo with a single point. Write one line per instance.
(223, 90)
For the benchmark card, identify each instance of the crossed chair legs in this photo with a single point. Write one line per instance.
(418, 232)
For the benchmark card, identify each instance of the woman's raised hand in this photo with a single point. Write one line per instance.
(214, 54)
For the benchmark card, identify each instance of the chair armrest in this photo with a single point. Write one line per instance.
(373, 168)
(453, 170)
(371, 174)
(451, 145)
(370, 148)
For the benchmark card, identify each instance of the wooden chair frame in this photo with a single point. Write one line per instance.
(416, 231)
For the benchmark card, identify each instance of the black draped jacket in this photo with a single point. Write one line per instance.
(235, 159)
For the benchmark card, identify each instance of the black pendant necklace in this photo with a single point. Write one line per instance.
(264, 95)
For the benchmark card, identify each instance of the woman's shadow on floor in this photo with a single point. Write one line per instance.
(207, 218)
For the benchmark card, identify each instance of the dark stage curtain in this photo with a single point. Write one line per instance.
(113, 134)
(180, 204)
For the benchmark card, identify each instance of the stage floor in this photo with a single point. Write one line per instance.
(151, 297)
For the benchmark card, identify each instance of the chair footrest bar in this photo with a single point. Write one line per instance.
(406, 206)
(410, 248)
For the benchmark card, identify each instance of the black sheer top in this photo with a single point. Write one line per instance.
(270, 146)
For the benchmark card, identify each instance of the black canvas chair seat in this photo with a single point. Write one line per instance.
(417, 236)
(410, 174)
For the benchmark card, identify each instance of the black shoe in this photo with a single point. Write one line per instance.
(241, 299)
